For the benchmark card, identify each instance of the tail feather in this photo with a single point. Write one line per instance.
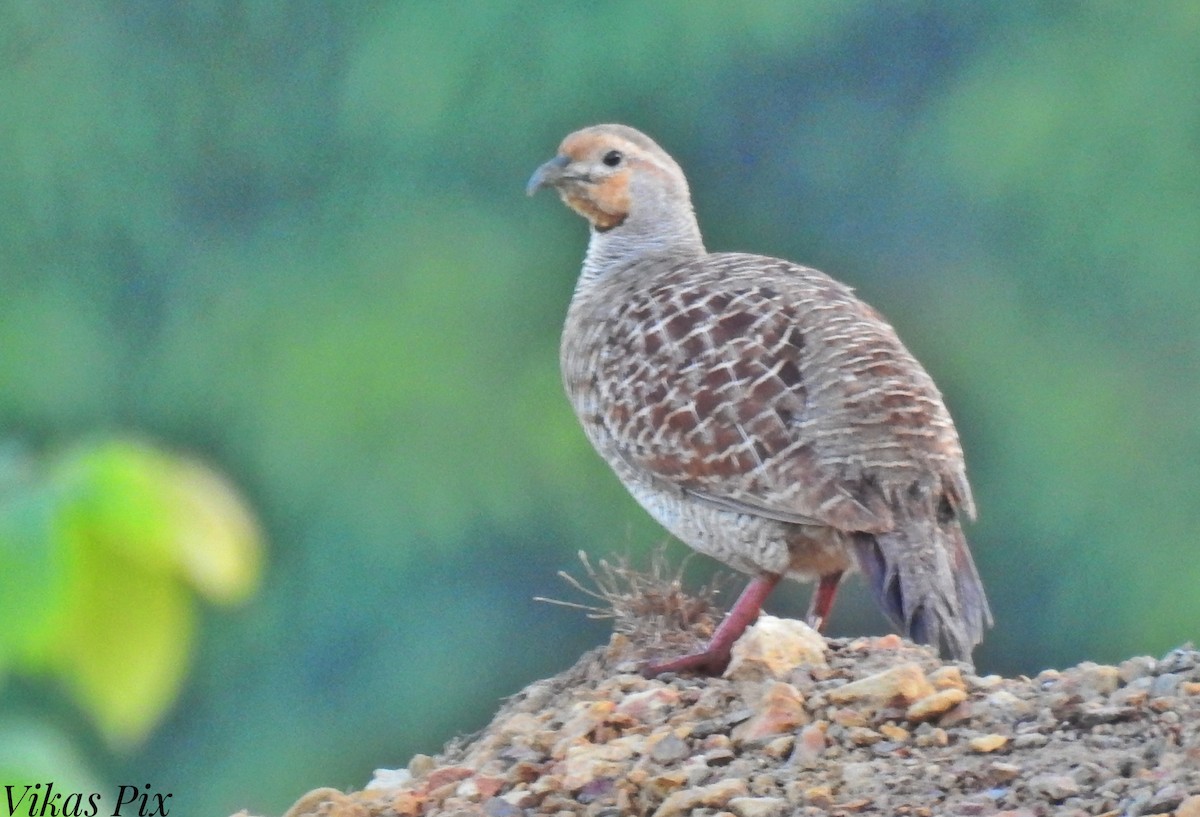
(924, 579)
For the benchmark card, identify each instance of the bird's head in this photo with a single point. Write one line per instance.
(616, 176)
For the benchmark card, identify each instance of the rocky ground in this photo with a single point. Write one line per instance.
(803, 726)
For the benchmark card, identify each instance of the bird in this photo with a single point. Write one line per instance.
(758, 409)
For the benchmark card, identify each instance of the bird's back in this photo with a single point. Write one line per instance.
(759, 382)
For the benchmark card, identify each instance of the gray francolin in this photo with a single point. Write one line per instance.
(757, 409)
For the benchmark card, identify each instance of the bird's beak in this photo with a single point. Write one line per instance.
(548, 175)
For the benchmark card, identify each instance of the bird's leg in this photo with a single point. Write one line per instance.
(715, 657)
(822, 600)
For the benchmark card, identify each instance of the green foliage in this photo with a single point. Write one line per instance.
(101, 550)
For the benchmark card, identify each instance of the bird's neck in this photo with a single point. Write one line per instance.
(626, 244)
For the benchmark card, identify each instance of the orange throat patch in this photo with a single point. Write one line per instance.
(605, 205)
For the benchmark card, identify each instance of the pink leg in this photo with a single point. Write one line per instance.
(715, 657)
(822, 600)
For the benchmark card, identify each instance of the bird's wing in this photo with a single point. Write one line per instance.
(767, 388)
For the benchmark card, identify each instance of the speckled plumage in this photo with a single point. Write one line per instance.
(756, 408)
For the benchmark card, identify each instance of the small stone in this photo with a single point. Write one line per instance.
(901, 685)
(947, 677)
(1190, 688)
(862, 736)
(934, 737)
(387, 779)
(518, 798)
(519, 723)
(587, 761)
(1135, 668)
(1165, 685)
(408, 804)
(669, 750)
(719, 757)
(781, 710)
(849, 717)
(489, 786)
(858, 773)
(1030, 740)
(780, 746)
(713, 742)
(1178, 660)
(600, 788)
(1005, 703)
(773, 648)
(468, 789)
(498, 807)
(985, 744)
(649, 705)
(894, 733)
(325, 802)
(999, 772)
(584, 718)
(714, 795)
(421, 765)
(819, 797)
(1130, 696)
(1090, 715)
(664, 784)
(446, 775)
(1099, 679)
(1189, 807)
(1165, 799)
(758, 806)
(811, 743)
(891, 641)
(1055, 787)
(525, 771)
(931, 706)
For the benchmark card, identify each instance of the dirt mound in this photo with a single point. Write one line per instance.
(803, 726)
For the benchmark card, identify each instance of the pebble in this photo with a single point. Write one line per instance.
(1056, 787)
(1134, 668)
(901, 685)
(714, 795)
(810, 745)
(1165, 684)
(496, 807)
(758, 806)
(947, 677)
(774, 648)
(669, 750)
(649, 705)
(932, 706)
(985, 744)
(1000, 772)
(780, 710)
(1189, 807)
(1098, 679)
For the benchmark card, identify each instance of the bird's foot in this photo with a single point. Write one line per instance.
(715, 657)
(709, 662)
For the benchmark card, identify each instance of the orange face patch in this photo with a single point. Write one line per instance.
(604, 204)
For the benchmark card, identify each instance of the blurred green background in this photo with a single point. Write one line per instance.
(285, 246)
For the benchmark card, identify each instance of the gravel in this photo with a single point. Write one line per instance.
(838, 727)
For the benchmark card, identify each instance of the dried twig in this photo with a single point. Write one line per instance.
(647, 605)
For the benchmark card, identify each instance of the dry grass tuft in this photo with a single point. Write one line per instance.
(649, 606)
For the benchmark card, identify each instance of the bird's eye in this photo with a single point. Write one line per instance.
(612, 158)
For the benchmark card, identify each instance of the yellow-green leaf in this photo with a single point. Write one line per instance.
(125, 646)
